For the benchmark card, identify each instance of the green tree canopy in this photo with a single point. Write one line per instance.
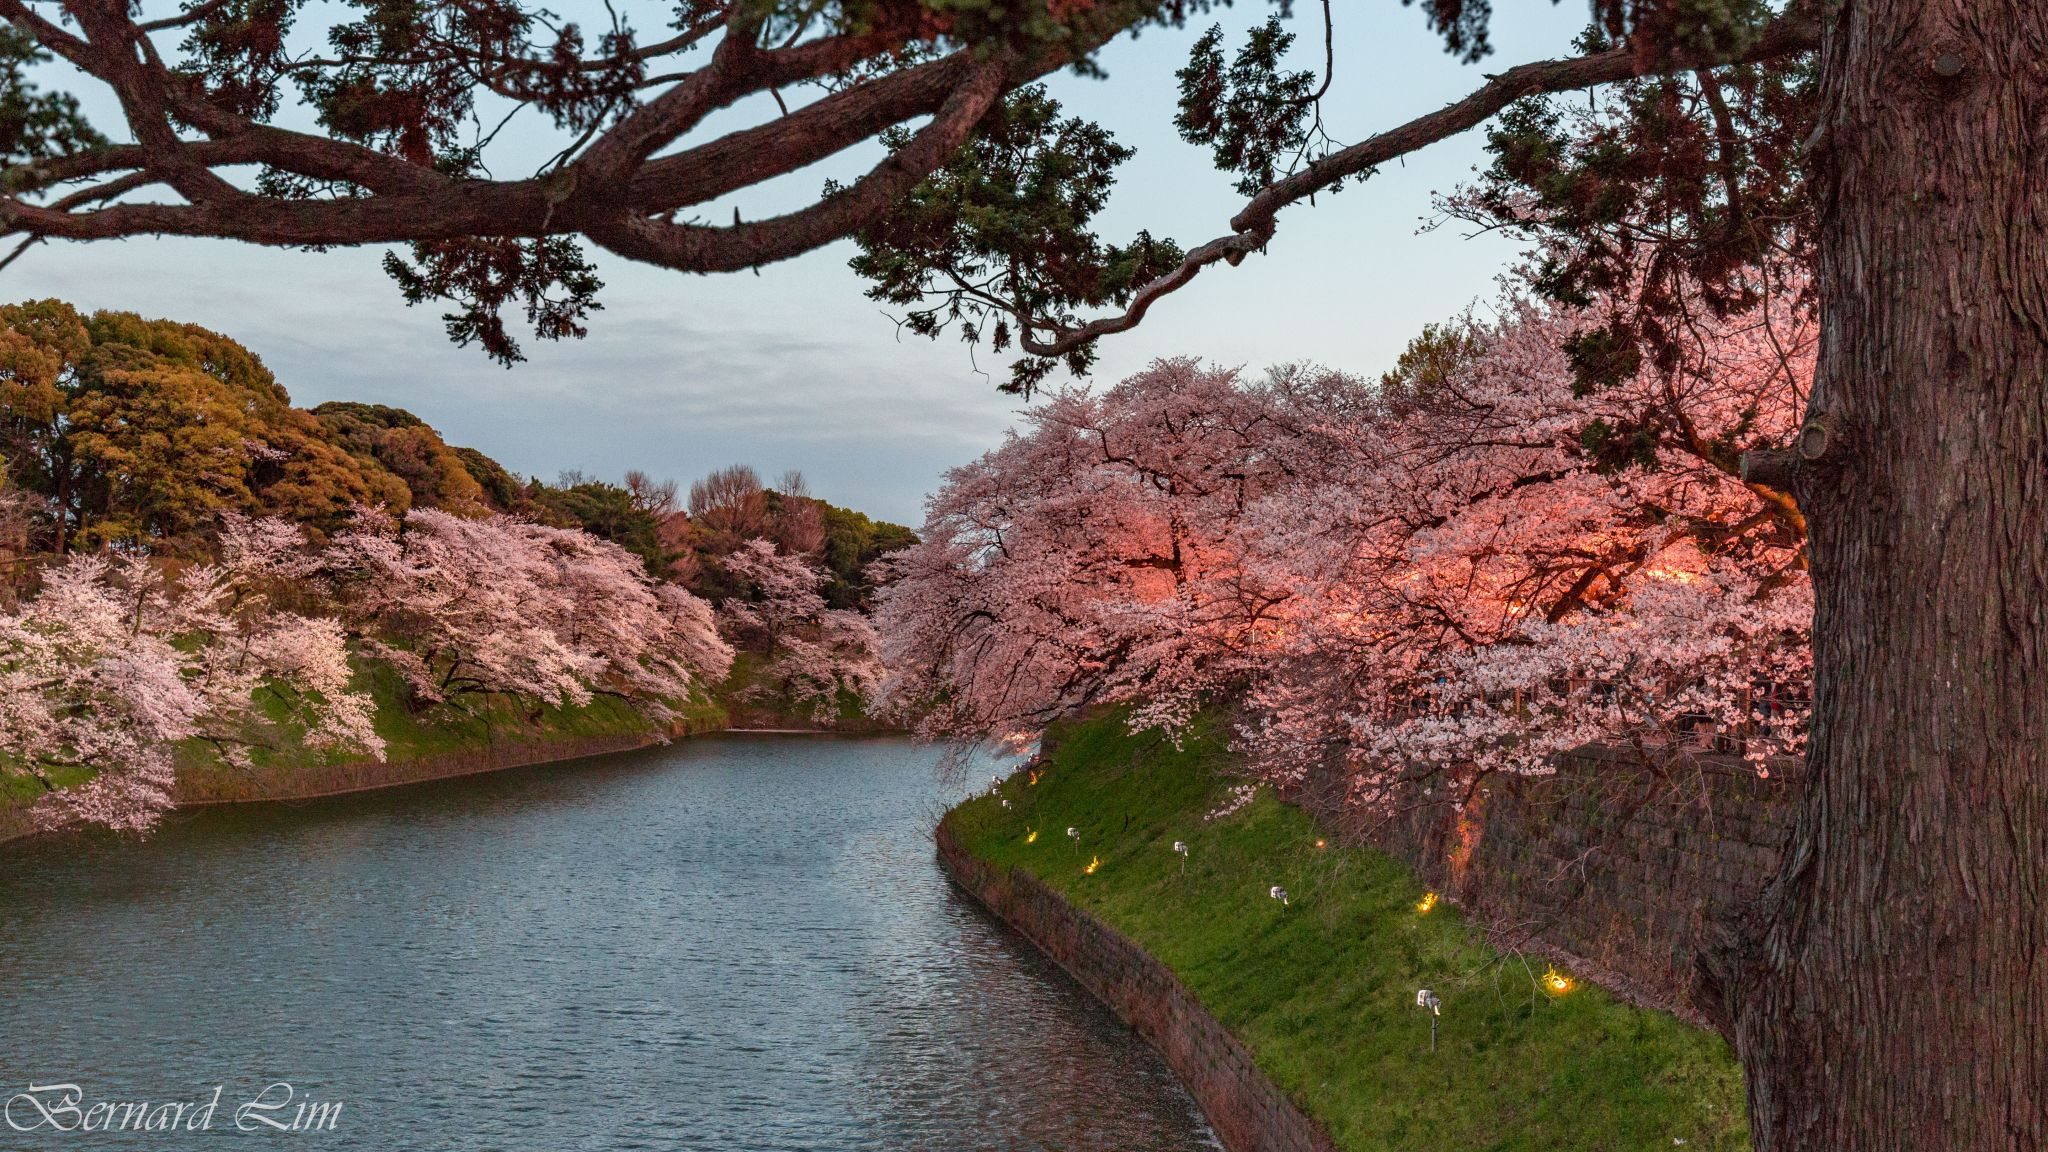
(402, 444)
(139, 432)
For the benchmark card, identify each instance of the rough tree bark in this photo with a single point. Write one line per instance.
(1891, 991)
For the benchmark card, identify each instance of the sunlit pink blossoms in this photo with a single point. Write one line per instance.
(1474, 565)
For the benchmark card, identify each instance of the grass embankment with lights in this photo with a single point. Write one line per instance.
(1323, 989)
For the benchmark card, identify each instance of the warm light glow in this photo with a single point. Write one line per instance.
(1031, 835)
(1557, 983)
(1427, 902)
(1094, 862)
(1034, 778)
(1321, 844)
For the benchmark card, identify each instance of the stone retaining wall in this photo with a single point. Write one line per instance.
(228, 786)
(1606, 864)
(1248, 1112)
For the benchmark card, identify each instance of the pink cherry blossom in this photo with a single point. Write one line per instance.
(499, 604)
(815, 655)
(1468, 568)
(115, 663)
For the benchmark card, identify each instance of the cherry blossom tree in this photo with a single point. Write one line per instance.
(1503, 565)
(1093, 556)
(114, 664)
(1475, 565)
(499, 604)
(815, 656)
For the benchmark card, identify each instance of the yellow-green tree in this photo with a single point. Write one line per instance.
(407, 447)
(139, 432)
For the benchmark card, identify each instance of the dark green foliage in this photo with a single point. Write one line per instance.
(240, 53)
(1671, 196)
(1000, 238)
(1463, 24)
(1618, 449)
(551, 277)
(408, 448)
(504, 490)
(1654, 28)
(1602, 357)
(1255, 117)
(853, 542)
(606, 511)
(34, 124)
(1692, 27)
(1425, 366)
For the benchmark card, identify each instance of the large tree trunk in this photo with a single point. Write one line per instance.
(1892, 992)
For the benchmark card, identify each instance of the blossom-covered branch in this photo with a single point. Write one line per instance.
(116, 663)
(1475, 562)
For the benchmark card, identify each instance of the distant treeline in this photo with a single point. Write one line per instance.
(135, 435)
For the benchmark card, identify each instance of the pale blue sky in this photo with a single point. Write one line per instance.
(795, 368)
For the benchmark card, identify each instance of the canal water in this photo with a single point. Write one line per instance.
(733, 943)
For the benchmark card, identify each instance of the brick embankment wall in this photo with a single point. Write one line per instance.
(14, 821)
(1606, 865)
(1248, 1112)
(227, 786)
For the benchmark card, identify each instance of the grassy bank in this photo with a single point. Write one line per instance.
(473, 733)
(1322, 990)
(461, 735)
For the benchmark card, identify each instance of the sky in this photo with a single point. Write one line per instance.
(795, 368)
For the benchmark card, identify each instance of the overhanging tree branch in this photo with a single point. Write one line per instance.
(1253, 226)
(746, 245)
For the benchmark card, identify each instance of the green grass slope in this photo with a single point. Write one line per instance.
(1323, 990)
(469, 724)
(460, 736)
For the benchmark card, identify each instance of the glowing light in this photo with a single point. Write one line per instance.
(1557, 983)
(1094, 862)
(1031, 835)
(1034, 778)
(1675, 575)
(1427, 902)
(1322, 843)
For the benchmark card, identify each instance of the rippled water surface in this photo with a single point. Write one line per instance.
(733, 943)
